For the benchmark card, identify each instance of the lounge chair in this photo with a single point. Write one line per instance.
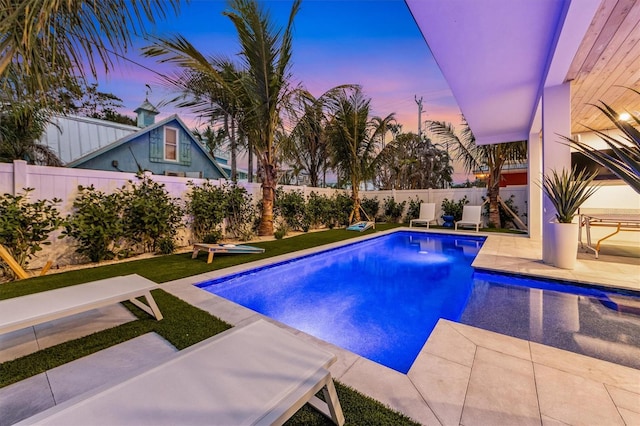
(427, 214)
(471, 216)
(256, 374)
(361, 226)
(25, 311)
(223, 248)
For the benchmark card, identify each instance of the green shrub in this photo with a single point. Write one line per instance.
(342, 207)
(319, 210)
(454, 208)
(96, 223)
(290, 206)
(371, 206)
(149, 214)
(413, 211)
(25, 226)
(206, 206)
(241, 213)
(212, 237)
(392, 210)
(166, 245)
(281, 231)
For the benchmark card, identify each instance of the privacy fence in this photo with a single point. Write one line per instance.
(62, 183)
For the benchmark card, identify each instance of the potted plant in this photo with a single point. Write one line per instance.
(567, 191)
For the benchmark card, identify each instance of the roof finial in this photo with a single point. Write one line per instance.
(147, 92)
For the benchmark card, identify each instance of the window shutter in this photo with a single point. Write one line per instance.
(155, 145)
(185, 149)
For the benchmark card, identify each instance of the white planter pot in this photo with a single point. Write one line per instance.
(565, 244)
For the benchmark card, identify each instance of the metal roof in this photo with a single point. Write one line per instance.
(72, 137)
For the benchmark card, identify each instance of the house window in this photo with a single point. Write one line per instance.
(170, 144)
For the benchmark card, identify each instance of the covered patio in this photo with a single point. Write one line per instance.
(532, 70)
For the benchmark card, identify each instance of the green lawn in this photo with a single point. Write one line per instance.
(183, 324)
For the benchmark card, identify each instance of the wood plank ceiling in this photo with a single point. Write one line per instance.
(608, 57)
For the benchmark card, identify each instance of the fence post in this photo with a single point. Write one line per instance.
(20, 176)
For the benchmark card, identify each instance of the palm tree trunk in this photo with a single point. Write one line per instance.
(250, 163)
(268, 181)
(234, 153)
(493, 191)
(355, 195)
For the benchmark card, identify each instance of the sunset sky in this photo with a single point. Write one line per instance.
(374, 43)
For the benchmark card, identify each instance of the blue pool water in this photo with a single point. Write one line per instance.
(381, 299)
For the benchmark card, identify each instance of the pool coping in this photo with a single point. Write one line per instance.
(447, 383)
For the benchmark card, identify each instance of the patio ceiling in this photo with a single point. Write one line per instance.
(608, 58)
(498, 54)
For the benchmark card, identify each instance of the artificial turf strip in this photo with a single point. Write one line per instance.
(183, 325)
(358, 409)
(172, 267)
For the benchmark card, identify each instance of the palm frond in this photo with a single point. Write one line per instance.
(625, 160)
(53, 41)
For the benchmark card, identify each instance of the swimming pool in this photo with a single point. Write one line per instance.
(382, 297)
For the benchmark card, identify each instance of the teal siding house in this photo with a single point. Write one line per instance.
(164, 148)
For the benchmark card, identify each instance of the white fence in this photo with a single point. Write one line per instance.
(62, 183)
(474, 195)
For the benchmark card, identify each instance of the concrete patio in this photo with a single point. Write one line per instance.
(463, 375)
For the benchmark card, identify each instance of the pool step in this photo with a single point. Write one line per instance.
(627, 305)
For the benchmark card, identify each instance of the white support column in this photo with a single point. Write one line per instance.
(556, 121)
(535, 192)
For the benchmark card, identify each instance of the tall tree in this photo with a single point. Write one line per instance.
(262, 90)
(266, 52)
(306, 147)
(479, 157)
(413, 162)
(88, 101)
(21, 124)
(354, 140)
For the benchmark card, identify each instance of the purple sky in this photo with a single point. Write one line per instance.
(374, 43)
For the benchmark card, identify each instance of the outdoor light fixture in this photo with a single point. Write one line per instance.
(625, 116)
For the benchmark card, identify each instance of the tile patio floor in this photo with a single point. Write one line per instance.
(463, 375)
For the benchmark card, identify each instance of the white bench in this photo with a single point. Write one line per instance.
(25, 311)
(256, 374)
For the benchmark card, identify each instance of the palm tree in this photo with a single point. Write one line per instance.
(211, 138)
(261, 90)
(478, 157)
(354, 139)
(624, 161)
(307, 144)
(266, 54)
(50, 41)
(21, 124)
